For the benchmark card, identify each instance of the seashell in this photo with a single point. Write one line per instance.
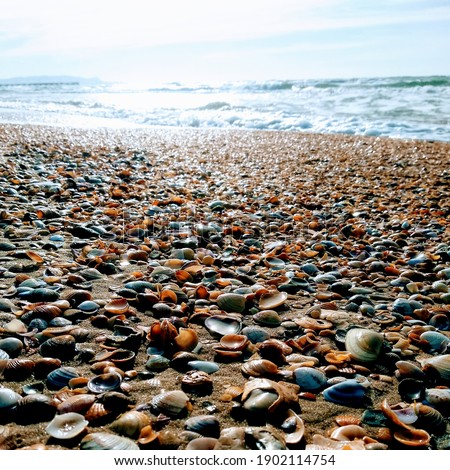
(44, 365)
(220, 325)
(347, 393)
(411, 389)
(35, 408)
(180, 360)
(147, 435)
(272, 300)
(234, 342)
(18, 369)
(313, 323)
(259, 368)
(40, 294)
(255, 334)
(438, 398)
(66, 426)
(117, 306)
(400, 415)
(412, 437)
(407, 369)
(349, 432)
(231, 393)
(88, 306)
(105, 382)
(310, 379)
(60, 377)
(231, 302)
(202, 443)
(264, 439)
(344, 420)
(157, 363)
(12, 346)
(438, 366)
(204, 366)
(197, 382)
(174, 403)
(268, 318)
(76, 404)
(274, 350)
(130, 423)
(121, 358)
(430, 419)
(186, 340)
(320, 442)
(107, 441)
(438, 342)
(61, 347)
(98, 414)
(264, 395)
(76, 296)
(205, 425)
(363, 344)
(8, 399)
(294, 428)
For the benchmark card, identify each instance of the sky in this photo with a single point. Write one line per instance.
(222, 40)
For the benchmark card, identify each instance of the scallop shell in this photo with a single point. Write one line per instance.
(117, 306)
(107, 441)
(66, 426)
(363, 344)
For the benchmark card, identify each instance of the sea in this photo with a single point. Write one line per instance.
(399, 107)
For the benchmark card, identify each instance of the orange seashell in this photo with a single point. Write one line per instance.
(147, 435)
(186, 340)
(35, 257)
(344, 420)
(168, 295)
(117, 306)
(201, 292)
(183, 276)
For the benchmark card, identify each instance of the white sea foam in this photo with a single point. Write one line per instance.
(405, 107)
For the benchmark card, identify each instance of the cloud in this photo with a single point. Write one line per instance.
(50, 27)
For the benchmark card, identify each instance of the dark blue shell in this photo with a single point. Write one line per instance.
(347, 393)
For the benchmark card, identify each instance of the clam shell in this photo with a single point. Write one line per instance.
(8, 399)
(130, 423)
(173, 403)
(12, 346)
(438, 364)
(268, 318)
(105, 382)
(272, 300)
(59, 378)
(107, 441)
(234, 342)
(35, 408)
(412, 437)
(231, 302)
(310, 379)
(61, 347)
(363, 344)
(76, 404)
(66, 426)
(117, 306)
(206, 425)
(147, 435)
(18, 369)
(294, 428)
(347, 393)
(220, 325)
(259, 368)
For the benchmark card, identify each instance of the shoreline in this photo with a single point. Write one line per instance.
(355, 209)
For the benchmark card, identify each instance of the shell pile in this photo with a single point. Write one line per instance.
(207, 290)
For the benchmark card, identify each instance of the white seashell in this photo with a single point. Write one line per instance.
(66, 426)
(363, 344)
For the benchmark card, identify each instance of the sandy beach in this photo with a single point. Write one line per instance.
(313, 234)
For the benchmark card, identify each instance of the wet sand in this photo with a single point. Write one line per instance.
(325, 201)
